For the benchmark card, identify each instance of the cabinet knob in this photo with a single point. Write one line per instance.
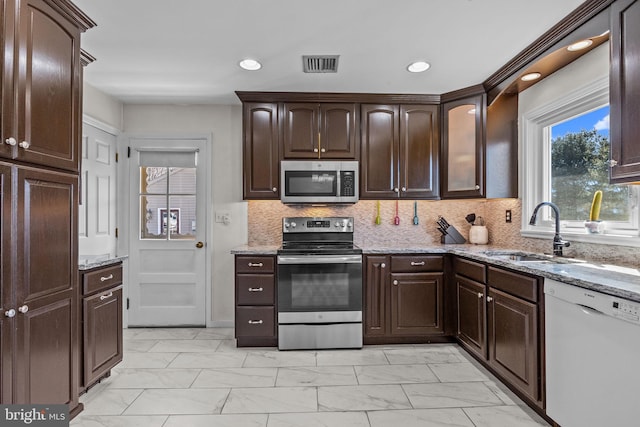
(255, 322)
(11, 141)
(24, 144)
(322, 150)
(489, 299)
(480, 294)
(104, 297)
(383, 265)
(315, 150)
(404, 189)
(23, 309)
(395, 189)
(10, 313)
(395, 283)
(613, 163)
(477, 187)
(274, 189)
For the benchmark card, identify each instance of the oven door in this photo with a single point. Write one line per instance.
(319, 288)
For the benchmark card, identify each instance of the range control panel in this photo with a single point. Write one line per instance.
(317, 225)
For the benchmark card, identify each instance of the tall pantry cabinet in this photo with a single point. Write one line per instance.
(39, 178)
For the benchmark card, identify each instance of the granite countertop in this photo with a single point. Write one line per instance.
(88, 262)
(623, 282)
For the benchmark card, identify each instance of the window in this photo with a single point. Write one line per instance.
(565, 153)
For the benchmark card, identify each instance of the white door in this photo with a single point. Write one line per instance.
(97, 212)
(167, 259)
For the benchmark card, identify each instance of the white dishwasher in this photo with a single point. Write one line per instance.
(592, 357)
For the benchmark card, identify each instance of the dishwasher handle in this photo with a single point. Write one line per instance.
(590, 311)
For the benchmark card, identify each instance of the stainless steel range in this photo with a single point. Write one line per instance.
(319, 284)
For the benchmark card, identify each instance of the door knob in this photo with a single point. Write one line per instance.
(23, 309)
(199, 245)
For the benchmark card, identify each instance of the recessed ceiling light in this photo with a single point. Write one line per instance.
(418, 66)
(250, 64)
(582, 44)
(530, 77)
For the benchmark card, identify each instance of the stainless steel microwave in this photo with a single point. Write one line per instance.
(318, 181)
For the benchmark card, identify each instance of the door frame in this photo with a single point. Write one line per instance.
(124, 197)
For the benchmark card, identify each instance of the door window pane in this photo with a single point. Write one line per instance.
(167, 203)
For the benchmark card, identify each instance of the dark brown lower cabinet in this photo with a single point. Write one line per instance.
(255, 313)
(403, 298)
(101, 322)
(500, 322)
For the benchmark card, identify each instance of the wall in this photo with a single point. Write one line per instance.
(102, 107)
(224, 124)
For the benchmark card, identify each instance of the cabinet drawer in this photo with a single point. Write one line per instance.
(255, 289)
(470, 269)
(255, 264)
(413, 263)
(516, 284)
(101, 279)
(256, 321)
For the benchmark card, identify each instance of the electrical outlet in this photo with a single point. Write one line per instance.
(223, 217)
(507, 215)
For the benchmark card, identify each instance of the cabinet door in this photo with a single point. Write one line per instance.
(379, 151)
(102, 333)
(463, 151)
(419, 151)
(261, 162)
(416, 303)
(7, 324)
(513, 341)
(471, 315)
(300, 131)
(338, 131)
(46, 274)
(7, 106)
(375, 295)
(49, 121)
(625, 91)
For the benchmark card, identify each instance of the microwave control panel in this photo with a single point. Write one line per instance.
(347, 183)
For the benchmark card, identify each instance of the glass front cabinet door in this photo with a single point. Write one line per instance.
(463, 150)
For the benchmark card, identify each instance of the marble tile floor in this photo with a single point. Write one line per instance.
(197, 377)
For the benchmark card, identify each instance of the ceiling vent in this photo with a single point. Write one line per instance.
(320, 63)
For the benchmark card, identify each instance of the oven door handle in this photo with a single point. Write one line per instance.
(320, 259)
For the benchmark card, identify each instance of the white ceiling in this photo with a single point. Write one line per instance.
(187, 51)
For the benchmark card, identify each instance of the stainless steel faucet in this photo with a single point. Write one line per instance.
(558, 242)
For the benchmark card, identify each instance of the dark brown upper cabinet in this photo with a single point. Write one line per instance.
(463, 147)
(625, 91)
(260, 151)
(319, 130)
(399, 151)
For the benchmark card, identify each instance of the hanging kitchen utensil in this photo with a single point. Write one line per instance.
(378, 220)
(415, 213)
(470, 218)
(396, 220)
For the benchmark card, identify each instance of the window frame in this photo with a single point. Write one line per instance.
(535, 167)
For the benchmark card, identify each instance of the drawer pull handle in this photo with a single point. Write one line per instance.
(105, 278)
(104, 297)
(256, 289)
(417, 263)
(255, 322)
(255, 264)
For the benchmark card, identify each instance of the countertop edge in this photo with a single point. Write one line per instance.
(90, 265)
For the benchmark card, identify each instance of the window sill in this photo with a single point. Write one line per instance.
(600, 239)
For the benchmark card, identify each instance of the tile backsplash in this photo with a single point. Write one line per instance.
(265, 226)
